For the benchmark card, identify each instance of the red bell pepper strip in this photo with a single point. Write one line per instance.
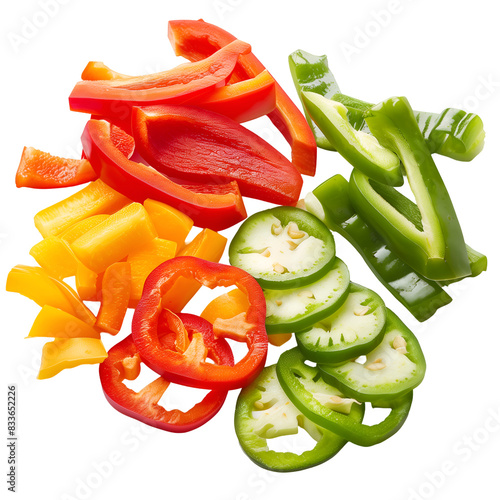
(242, 101)
(211, 208)
(197, 40)
(41, 170)
(198, 145)
(115, 97)
(123, 362)
(189, 367)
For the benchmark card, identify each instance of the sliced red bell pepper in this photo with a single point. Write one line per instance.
(211, 208)
(197, 40)
(198, 145)
(242, 101)
(123, 362)
(41, 170)
(115, 97)
(189, 367)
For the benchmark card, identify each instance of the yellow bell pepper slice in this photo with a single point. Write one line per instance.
(232, 303)
(87, 283)
(116, 288)
(96, 198)
(207, 245)
(56, 323)
(122, 233)
(55, 256)
(80, 228)
(144, 260)
(68, 353)
(39, 286)
(170, 223)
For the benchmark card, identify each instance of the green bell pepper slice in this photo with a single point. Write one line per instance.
(330, 202)
(391, 370)
(295, 309)
(360, 149)
(283, 247)
(356, 328)
(453, 132)
(438, 252)
(264, 411)
(305, 388)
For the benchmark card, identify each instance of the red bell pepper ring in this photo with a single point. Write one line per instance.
(197, 40)
(198, 145)
(216, 207)
(115, 97)
(242, 101)
(189, 368)
(123, 363)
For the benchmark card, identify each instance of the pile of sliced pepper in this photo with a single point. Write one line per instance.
(413, 248)
(307, 290)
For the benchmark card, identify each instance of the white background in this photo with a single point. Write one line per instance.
(438, 54)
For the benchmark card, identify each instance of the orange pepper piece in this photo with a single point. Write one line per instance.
(208, 245)
(56, 323)
(68, 353)
(122, 233)
(144, 260)
(80, 228)
(39, 286)
(96, 198)
(55, 256)
(38, 169)
(170, 223)
(230, 305)
(116, 288)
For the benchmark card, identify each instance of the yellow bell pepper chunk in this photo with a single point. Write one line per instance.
(207, 245)
(87, 283)
(96, 198)
(144, 260)
(55, 256)
(39, 286)
(80, 228)
(56, 323)
(68, 353)
(170, 223)
(122, 233)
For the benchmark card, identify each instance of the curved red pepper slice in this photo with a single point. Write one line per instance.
(123, 362)
(216, 207)
(198, 145)
(197, 40)
(116, 96)
(189, 368)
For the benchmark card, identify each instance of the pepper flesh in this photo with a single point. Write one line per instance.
(117, 96)
(55, 256)
(331, 203)
(124, 363)
(215, 206)
(453, 132)
(184, 369)
(438, 252)
(197, 40)
(197, 145)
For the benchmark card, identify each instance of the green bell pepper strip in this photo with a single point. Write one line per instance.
(453, 132)
(304, 386)
(438, 252)
(295, 309)
(264, 411)
(330, 202)
(477, 261)
(360, 149)
(283, 247)
(353, 330)
(394, 368)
